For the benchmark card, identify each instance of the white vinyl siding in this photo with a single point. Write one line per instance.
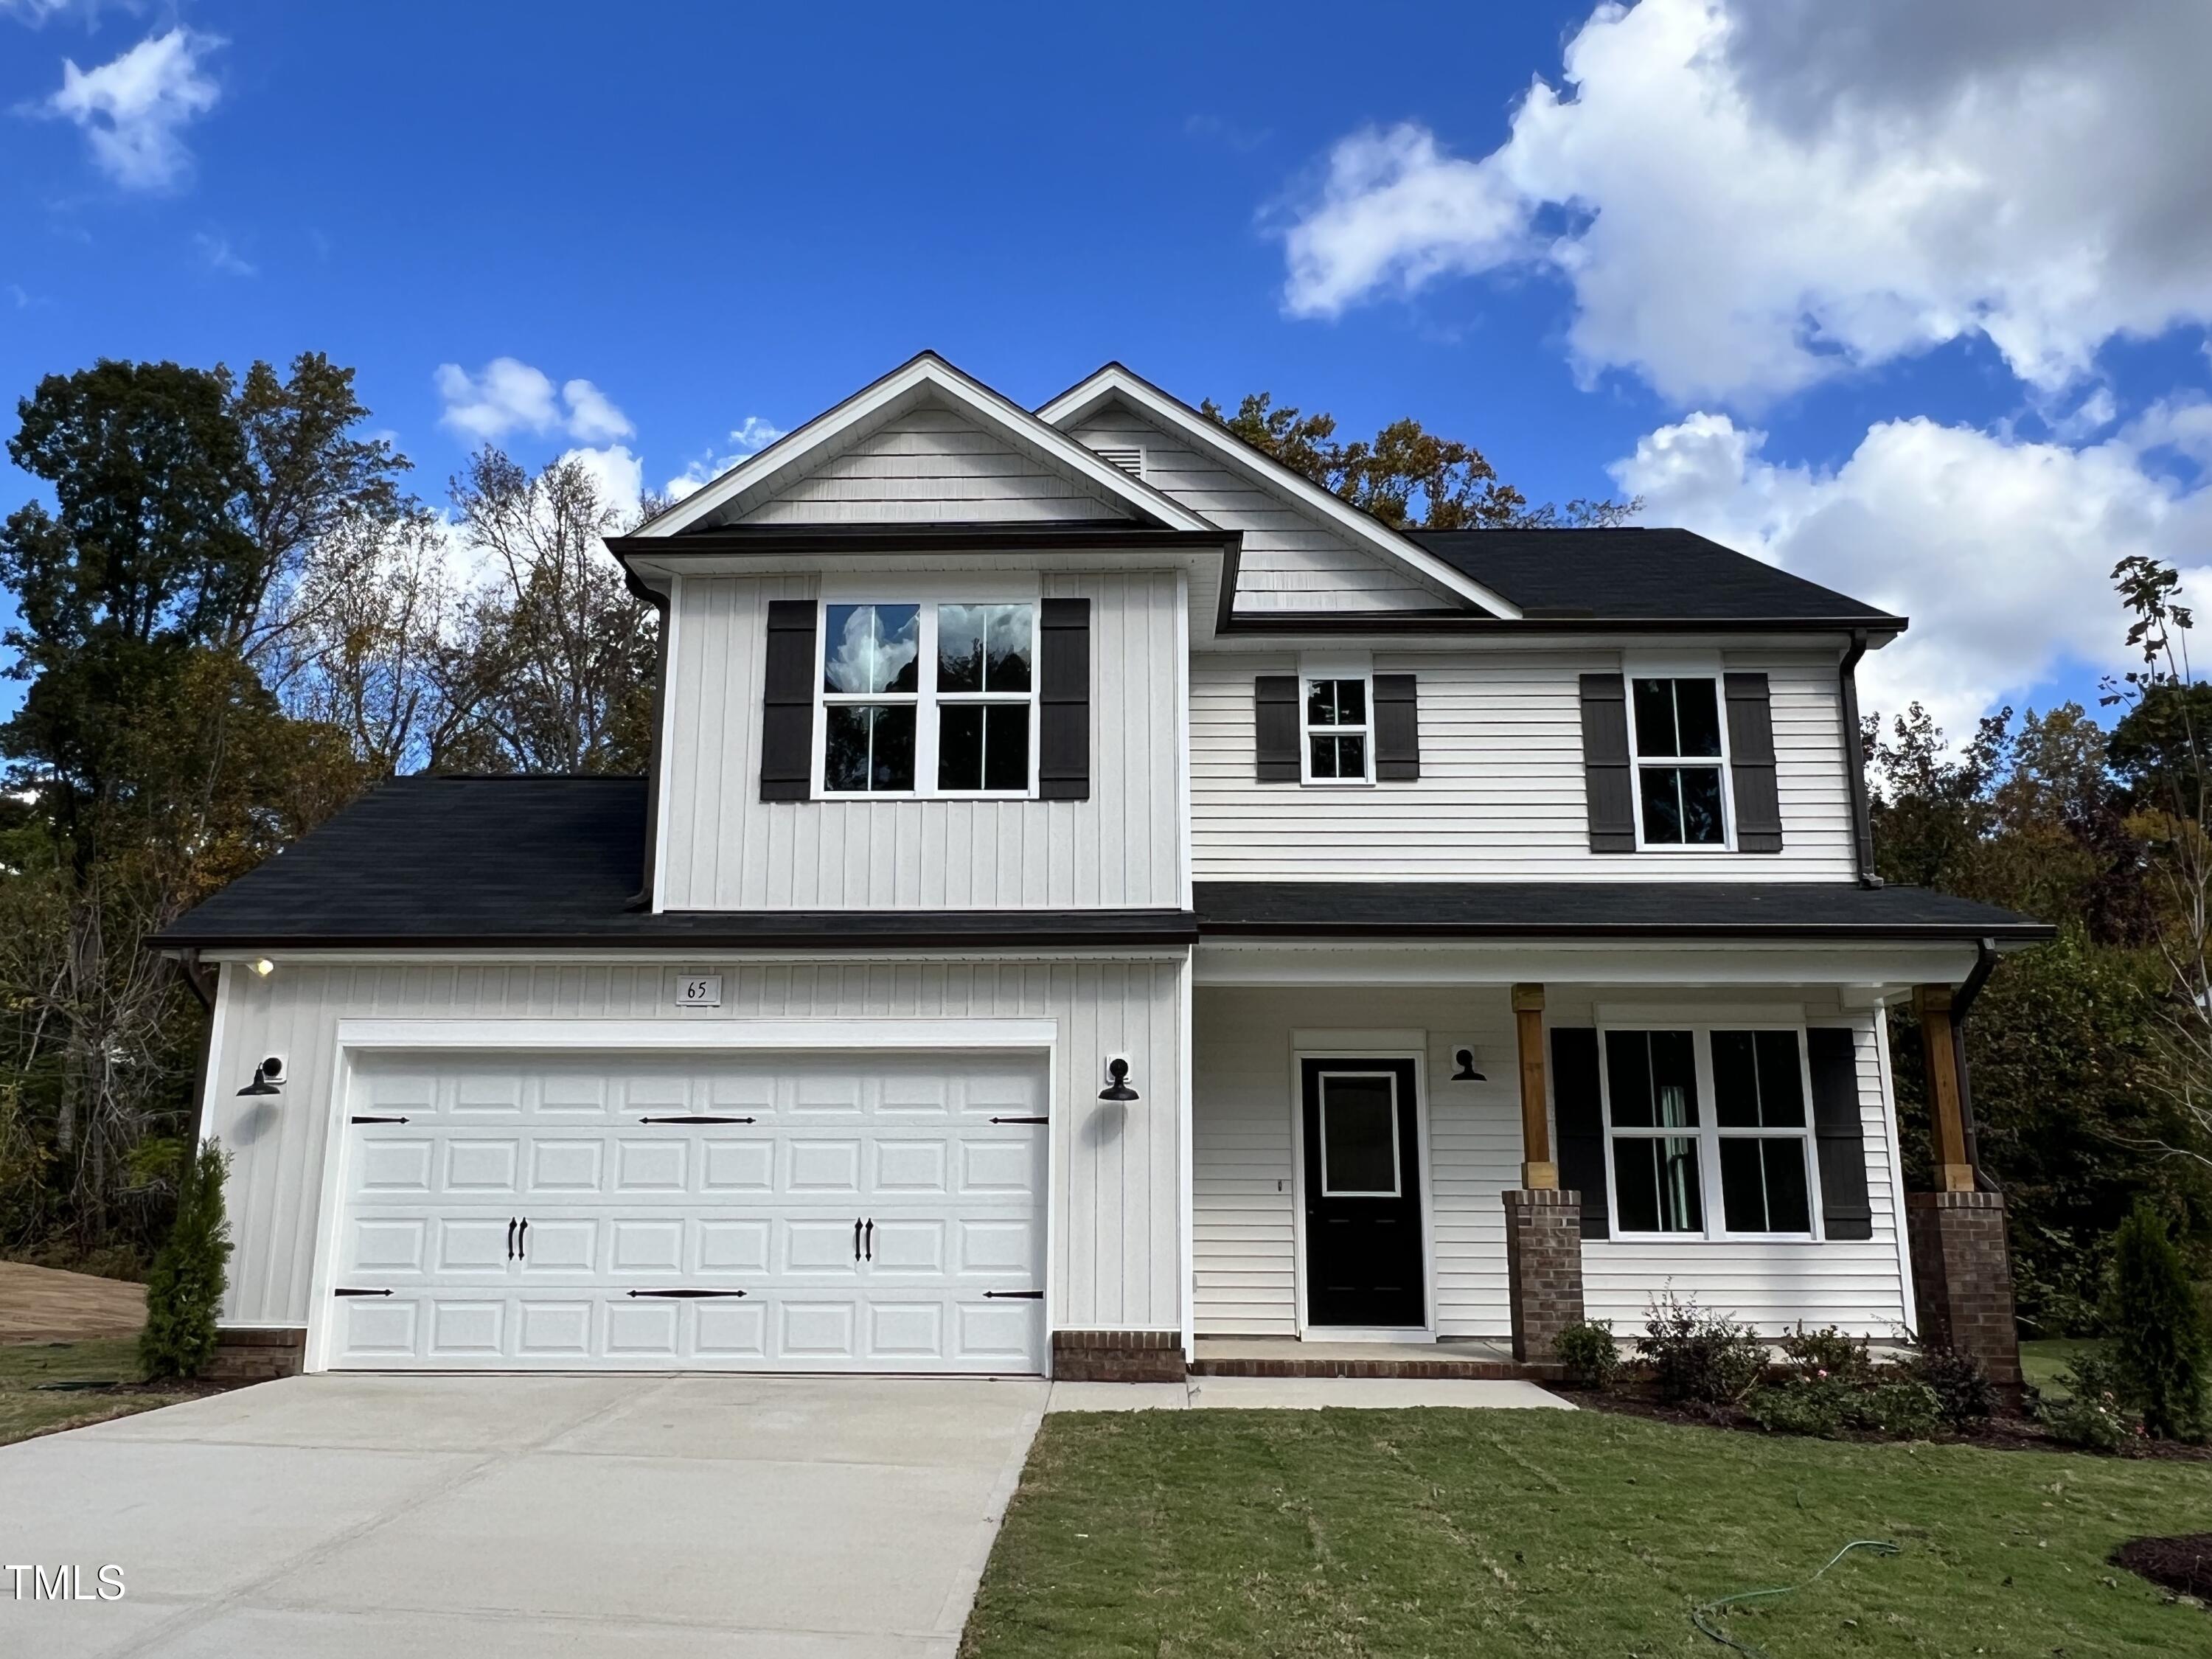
(1244, 1116)
(1116, 1184)
(1501, 792)
(726, 849)
(927, 465)
(1293, 559)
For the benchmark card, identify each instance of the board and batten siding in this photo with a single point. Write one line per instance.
(931, 465)
(1116, 1182)
(1245, 1115)
(726, 849)
(1501, 793)
(1292, 559)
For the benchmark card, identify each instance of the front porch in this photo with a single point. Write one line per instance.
(1504, 1191)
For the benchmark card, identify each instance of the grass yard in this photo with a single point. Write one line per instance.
(1479, 1533)
(27, 1409)
(2041, 1362)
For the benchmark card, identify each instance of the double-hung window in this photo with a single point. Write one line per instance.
(928, 699)
(1705, 1114)
(1681, 762)
(1337, 746)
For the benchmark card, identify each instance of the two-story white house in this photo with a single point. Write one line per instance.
(1100, 903)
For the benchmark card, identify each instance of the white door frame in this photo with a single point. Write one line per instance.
(1325, 1045)
(358, 1037)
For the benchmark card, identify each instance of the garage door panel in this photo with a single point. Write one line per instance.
(753, 1224)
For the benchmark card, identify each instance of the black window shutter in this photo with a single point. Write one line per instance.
(1578, 1111)
(1833, 1058)
(788, 701)
(1275, 723)
(1397, 729)
(1064, 700)
(1606, 782)
(1751, 764)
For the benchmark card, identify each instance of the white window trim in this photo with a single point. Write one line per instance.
(925, 699)
(1308, 732)
(1709, 1134)
(1634, 671)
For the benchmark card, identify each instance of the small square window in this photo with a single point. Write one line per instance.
(1336, 730)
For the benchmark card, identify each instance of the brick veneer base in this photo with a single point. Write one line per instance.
(1117, 1356)
(1962, 1279)
(1543, 1266)
(248, 1354)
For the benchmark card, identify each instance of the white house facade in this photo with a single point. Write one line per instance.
(1101, 905)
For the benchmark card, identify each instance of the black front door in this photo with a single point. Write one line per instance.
(1363, 1261)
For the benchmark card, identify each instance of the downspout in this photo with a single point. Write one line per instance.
(203, 982)
(642, 899)
(1847, 682)
(1962, 1002)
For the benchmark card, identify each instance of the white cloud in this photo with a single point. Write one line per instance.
(511, 396)
(220, 256)
(1747, 195)
(747, 439)
(134, 108)
(1998, 550)
(618, 476)
(36, 13)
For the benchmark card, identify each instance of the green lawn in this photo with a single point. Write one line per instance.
(2041, 1362)
(1479, 1533)
(27, 1409)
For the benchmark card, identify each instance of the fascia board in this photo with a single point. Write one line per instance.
(1112, 382)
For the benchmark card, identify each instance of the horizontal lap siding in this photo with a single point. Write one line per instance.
(729, 850)
(1244, 1116)
(1292, 560)
(1116, 1178)
(1501, 791)
(930, 464)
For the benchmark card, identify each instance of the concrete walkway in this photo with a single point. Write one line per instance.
(522, 1517)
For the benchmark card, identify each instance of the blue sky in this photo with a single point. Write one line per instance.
(1976, 358)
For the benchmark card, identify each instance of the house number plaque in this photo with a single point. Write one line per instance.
(699, 991)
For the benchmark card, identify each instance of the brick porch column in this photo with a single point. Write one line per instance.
(1961, 1258)
(1543, 1225)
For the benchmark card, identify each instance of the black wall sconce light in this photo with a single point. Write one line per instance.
(267, 1078)
(1466, 1074)
(1117, 1087)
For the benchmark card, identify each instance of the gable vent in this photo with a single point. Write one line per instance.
(1130, 460)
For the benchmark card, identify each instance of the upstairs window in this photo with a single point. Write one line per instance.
(927, 699)
(1681, 797)
(1337, 747)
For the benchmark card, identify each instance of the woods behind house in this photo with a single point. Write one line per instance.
(237, 610)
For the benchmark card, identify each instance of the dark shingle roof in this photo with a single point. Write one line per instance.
(1640, 574)
(1530, 910)
(546, 863)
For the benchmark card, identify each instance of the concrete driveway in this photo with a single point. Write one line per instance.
(521, 1517)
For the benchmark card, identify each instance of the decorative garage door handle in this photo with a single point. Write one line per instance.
(871, 1238)
(347, 1290)
(1015, 1296)
(1021, 1120)
(522, 1241)
(690, 1117)
(377, 1120)
(687, 1296)
(510, 1238)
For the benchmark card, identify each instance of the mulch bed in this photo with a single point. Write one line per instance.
(1998, 1434)
(2182, 1564)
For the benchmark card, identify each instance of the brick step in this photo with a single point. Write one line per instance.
(1424, 1369)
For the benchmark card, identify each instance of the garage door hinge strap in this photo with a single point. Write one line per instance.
(376, 1120)
(347, 1290)
(1017, 1296)
(1021, 1120)
(694, 1120)
(687, 1296)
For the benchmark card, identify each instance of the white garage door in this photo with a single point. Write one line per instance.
(756, 1213)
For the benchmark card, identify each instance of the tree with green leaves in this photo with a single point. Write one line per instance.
(1405, 476)
(184, 1291)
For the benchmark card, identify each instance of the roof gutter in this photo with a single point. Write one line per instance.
(205, 982)
(1847, 686)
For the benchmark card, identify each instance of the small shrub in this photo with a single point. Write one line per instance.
(1587, 1349)
(2095, 1422)
(1960, 1381)
(2158, 1336)
(1818, 1406)
(1697, 1357)
(186, 1285)
(1827, 1352)
(1902, 1410)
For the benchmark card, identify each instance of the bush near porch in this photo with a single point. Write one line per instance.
(1440, 1532)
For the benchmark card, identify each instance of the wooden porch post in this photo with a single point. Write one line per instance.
(1538, 1171)
(1954, 1172)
